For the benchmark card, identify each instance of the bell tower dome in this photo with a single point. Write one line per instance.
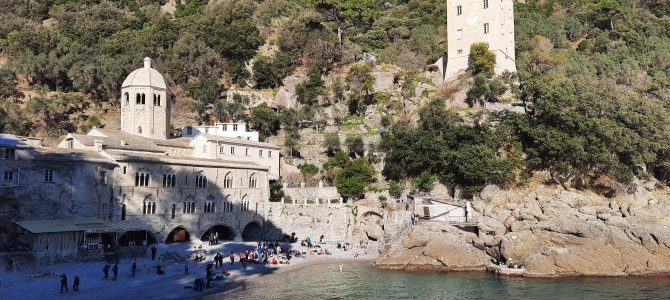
(146, 101)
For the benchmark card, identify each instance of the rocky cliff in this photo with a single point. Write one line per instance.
(550, 230)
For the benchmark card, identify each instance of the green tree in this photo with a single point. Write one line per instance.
(346, 14)
(355, 146)
(481, 59)
(265, 120)
(484, 90)
(308, 92)
(331, 141)
(354, 177)
(395, 189)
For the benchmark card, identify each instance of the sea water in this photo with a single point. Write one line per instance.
(363, 281)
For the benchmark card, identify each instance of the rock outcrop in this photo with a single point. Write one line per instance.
(552, 232)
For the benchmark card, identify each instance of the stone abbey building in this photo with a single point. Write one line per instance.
(114, 188)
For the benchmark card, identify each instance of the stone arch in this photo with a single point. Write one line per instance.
(226, 233)
(252, 232)
(178, 235)
(370, 213)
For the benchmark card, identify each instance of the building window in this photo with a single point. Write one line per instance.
(138, 99)
(252, 181)
(486, 4)
(227, 206)
(210, 205)
(244, 206)
(459, 51)
(126, 99)
(270, 154)
(10, 154)
(459, 34)
(70, 143)
(48, 175)
(142, 179)
(9, 175)
(201, 181)
(102, 177)
(221, 149)
(204, 148)
(260, 153)
(234, 127)
(189, 208)
(169, 180)
(459, 10)
(232, 150)
(246, 152)
(124, 169)
(228, 181)
(139, 129)
(143, 98)
(486, 28)
(149, 208)
(157, 100)
(224, 127)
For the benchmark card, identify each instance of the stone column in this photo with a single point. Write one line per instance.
(282, 200)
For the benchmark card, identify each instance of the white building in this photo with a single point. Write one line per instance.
(232, 130)
(473, 21)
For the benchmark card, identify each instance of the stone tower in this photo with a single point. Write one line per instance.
(146, 101)
(473, 21)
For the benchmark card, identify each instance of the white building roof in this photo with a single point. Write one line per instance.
(146, 76)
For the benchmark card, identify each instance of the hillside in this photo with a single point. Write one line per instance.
(590, 104)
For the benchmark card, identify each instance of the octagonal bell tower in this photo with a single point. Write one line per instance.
(146, 101)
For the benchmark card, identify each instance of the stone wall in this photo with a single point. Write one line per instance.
(334, 223)
(301, 193)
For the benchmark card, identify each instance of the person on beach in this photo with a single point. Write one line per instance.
(115, 270)
(159, 267)
(133, 269)
(232, 258)
(105, 272)
(153, 251)
(63, 283)
(75, 284)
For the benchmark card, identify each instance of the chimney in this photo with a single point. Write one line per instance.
(97, 144)
(147, 62)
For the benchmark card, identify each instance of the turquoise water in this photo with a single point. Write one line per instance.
(362, 281)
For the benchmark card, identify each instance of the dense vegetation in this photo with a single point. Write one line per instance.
(593, 77)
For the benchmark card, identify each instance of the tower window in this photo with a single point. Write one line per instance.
(48, 175)
(486, 4)
(486, 28)
(459, 51)
(138, 99)
(459, 10)
(459, 34)
(143, 98)
(126, 99)
(157, 100)
(139, 129)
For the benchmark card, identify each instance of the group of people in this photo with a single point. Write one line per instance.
(213, 238)
(63, 284)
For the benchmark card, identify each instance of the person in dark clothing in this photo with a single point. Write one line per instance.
(133, 268)
(153, 252)
(232, 258)
(105, 272)
(75, 285)
(63, 283)
(115, 270)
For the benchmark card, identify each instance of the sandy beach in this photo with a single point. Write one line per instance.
(171, 285)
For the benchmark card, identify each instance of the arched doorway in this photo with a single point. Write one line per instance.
(252, 232)
(178, 235)
(136, 238)
(225, 233)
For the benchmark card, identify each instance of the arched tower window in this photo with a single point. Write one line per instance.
(139, 129)
(138, 99)
(143, 98)
(126, 99)
(228, 181)
(252, 181)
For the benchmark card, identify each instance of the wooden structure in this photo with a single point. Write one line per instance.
(65, 238)
(457, 213)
